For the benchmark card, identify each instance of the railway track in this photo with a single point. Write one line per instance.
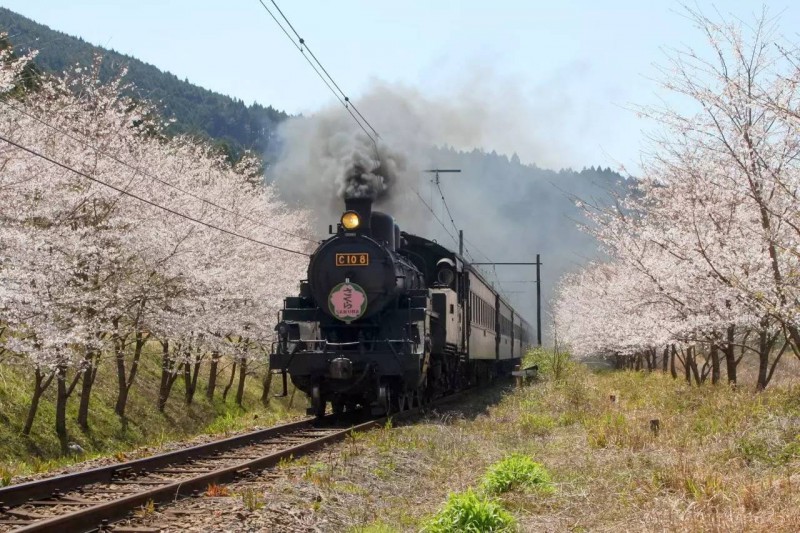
(93, 499)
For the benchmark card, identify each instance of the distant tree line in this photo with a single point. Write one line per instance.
(226, 121)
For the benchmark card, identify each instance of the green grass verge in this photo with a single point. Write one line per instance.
(146, 426)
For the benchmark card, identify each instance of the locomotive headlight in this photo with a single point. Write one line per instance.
(350, 220)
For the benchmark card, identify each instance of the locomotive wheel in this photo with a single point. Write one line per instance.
(385, 398)
(317, 402)
(337, 406)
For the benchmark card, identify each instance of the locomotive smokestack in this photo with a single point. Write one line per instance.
(363, 208)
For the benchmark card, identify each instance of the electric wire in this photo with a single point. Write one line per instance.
(330, 82)
(343, 99)
(421, 199)
(145, 200)
(147, 174)
(450, 215)
(307, 47)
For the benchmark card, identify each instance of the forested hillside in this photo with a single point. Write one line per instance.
(511, 212)
(196, 110)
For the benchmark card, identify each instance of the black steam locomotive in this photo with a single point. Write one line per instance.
(390, 320)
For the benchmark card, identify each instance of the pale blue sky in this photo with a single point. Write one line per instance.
(577, 64)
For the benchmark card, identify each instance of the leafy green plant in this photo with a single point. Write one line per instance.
(516, 471)
(7, 473)
(252, 499)
(468, 512)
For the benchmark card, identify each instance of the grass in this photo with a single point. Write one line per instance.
(516, 471)
(252, 499)
(146, 427)
(470, 512)
(722, 459)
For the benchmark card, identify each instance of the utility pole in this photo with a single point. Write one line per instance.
(538, 301)
(436, 181)
(435, 172)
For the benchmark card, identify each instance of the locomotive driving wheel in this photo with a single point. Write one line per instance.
(337, 405)
(317, 402)
(385, 398)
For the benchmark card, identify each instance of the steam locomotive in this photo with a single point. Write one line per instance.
(390, 320)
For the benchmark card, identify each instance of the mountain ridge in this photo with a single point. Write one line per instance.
(226, 120)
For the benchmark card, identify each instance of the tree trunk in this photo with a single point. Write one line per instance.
(190, 373)
(40, 385)
(266, 386)
(126, 384)
(672, 368)
(168, 375)
(730, 356)
(187, 382)
(786, 344)
(119, 356)
(794, 335)
(242, 376)
(691, 361)
(665, 360)
(715, 370)
(763, 359)
(212, 375)
(61, 409)
(89, 373)
(687, 371)
(230, 382)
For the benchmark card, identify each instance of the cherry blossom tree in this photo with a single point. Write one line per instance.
(710, 237)
(121, 234)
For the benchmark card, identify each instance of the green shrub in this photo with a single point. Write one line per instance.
(516, 471)
(468, 512)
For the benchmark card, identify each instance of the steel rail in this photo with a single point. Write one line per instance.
(99, 516)
(44, 488)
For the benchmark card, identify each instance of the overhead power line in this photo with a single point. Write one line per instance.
(302, 46)
(426, 204)
(146, 174)
(145, 200)
(323, 74)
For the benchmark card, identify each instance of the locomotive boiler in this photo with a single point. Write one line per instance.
(387, 320)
